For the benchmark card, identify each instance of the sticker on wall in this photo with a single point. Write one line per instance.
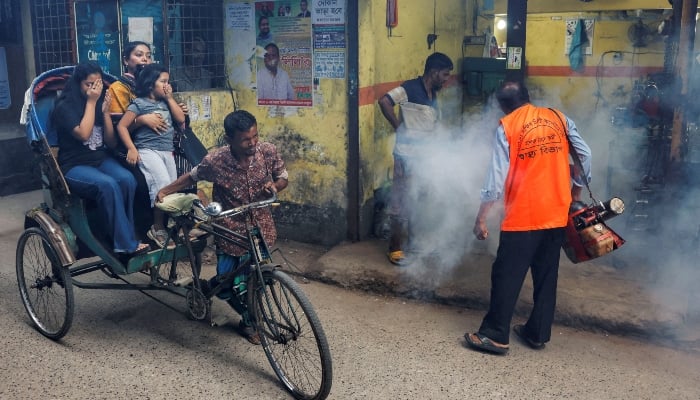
(329, 64)
(329, 51)
(328, 12)
(514, 58)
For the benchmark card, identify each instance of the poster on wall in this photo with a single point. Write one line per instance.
(143, 20)
(97, 34)
(239, 16)
(329, 51)
(514, 57)
(284, 62)
(571, 25)
(330, 12)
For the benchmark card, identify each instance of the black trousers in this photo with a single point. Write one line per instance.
(539, 251)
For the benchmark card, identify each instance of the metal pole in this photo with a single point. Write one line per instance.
(682, 70)
(515, 53)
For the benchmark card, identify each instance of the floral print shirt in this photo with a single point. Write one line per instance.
(235, 185)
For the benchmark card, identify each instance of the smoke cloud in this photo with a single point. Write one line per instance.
(660, 222)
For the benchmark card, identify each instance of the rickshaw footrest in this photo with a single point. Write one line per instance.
(184, 281)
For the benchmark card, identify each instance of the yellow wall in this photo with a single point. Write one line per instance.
(314, 140)
(544, 6)
(606, 79)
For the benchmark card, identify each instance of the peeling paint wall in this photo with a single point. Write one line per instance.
(312, 141)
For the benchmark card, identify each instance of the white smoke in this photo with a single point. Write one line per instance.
(447, 178)
(661, 256)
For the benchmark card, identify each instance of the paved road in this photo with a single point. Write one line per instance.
(125, 345)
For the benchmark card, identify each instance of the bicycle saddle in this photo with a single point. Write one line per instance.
(177, 203)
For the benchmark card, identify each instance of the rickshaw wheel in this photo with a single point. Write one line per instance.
(198, 305)
(169, 272)
(45, 285)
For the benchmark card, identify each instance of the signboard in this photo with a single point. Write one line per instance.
(97, 34)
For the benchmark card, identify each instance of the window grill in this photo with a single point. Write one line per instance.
(52, 28)
(195, 44)
(194, 41)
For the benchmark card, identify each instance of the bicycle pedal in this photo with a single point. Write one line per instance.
(184, 281)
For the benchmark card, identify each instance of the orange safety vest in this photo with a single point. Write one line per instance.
(537, 191)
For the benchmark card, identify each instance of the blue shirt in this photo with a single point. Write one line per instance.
(415, 93)
(500, 162)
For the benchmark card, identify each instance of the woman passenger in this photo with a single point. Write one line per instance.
(135, 56)
(82, 120)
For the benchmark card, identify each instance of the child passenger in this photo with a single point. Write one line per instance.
(153, 150)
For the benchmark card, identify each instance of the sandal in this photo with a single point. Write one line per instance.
(249, 333)
(159, 237)
(520, 333)
(483, 343)
(141, 248)
(397, 257)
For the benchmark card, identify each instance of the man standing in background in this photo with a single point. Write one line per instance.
(414, 127)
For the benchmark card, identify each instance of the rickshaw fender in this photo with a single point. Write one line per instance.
(270, 267)
(55, 233)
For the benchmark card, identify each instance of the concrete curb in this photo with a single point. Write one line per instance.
(591, 296)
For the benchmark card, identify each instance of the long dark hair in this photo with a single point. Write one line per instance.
(147, 79)
(73, 96)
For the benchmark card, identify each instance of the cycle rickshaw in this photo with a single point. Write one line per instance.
(62, 243)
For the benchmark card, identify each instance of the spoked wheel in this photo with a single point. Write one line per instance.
(291, 335)
(44, 284)
(198, 305)
(169, 271)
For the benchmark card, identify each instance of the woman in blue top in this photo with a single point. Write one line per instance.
(152, 150)
(82, 120)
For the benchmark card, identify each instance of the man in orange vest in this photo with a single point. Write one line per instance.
(530, 171)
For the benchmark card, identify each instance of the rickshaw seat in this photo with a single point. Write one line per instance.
(43, 108)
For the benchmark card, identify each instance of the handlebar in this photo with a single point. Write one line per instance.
(214, 209)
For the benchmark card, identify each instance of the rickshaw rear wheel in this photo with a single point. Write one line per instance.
(45, 285)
